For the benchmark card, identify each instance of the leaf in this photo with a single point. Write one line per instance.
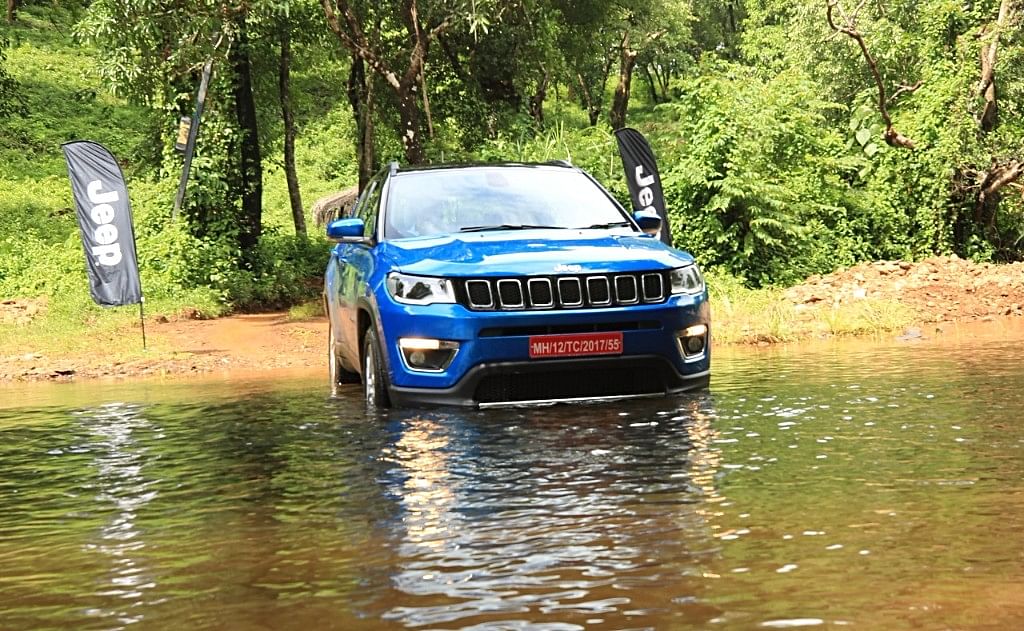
(871, 150)
(863, 136)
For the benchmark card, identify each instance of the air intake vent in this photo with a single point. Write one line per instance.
(599, 291)
(541, 296)
(653, 287)
(510, 293)
(625, 290)
(479, 294)
(569, 292)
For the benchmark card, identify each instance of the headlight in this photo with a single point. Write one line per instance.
(687, 280)
(420, 290)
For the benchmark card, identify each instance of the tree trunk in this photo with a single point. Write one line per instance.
(12, 11)
(651, 85)
(537, 100)
(409, 120)
(987, 88)
(620, 104)
(587, 101)
(284, 90)
(664, 76)
(251, 164)
(354, 38)
(360, 97)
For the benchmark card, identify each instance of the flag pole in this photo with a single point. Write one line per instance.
(142, 321)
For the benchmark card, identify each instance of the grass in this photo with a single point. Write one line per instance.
(741, 315)
(307, 310)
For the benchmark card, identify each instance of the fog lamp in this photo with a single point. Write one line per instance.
(426, 354)
(693, 341)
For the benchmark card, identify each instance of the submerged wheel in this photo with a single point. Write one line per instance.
(375, 384)
(337, 372)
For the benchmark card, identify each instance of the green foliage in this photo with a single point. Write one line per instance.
(754, 178)
(11, 100)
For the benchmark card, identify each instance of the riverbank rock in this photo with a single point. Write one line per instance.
(939, 288)
(20, 311)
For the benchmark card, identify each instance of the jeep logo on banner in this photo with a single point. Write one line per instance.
(105, 222)
(642, 177)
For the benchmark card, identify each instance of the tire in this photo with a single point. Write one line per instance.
(337, 373)
(375, 384)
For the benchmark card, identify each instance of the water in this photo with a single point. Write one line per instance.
(861, 485)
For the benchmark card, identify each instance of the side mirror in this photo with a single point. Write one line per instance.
(348, 229)
(649, 222)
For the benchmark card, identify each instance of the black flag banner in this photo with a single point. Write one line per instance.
(105, 221)
(642, 176)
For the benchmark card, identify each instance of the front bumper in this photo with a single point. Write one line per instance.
(492, 365)
(564, 380)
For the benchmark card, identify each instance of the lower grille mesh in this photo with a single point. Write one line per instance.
(564, 383)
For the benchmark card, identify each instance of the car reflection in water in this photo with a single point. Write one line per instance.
(123, 492)
(551, 515)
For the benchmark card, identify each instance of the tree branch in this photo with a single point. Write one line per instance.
(998, 177)
(355, 40)
(987, 84)
(892, 137)
(905, 89)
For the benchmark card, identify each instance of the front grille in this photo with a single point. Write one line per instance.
(562, 292)
(563, 383)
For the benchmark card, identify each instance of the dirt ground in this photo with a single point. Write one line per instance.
(242, 343)
(937, 289)
(940, 289)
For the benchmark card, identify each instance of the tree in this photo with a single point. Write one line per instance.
(151, 55)
(588, 39)
(848, 27)
(642, 25)
(12, 11)
(406, 33)
(1006, 171)
(249, 174)
(288, 118)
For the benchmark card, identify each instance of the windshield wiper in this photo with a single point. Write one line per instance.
(605, 226)
(509, 226)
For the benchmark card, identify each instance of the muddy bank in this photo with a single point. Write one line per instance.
(936, 289)
(243, 343)
(942, 292)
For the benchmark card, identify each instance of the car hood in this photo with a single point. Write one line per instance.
(531, 252)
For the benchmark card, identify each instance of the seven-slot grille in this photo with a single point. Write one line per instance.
(562, 292)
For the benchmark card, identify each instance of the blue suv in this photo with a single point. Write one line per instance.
(503, 284)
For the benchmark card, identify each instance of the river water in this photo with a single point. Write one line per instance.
(868, 485)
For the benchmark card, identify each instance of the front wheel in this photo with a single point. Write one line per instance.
(375, 384)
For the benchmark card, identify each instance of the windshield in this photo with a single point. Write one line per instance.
(426, 203)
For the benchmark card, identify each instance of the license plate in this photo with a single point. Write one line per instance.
(576, 345)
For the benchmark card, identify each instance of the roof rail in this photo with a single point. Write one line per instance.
(393, 167)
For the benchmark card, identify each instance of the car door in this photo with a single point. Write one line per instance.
(353, 264)
(341, 287)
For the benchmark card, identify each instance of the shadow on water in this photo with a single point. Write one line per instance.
(874, 486)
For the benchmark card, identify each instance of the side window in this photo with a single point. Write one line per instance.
(357, 207)
(369, 208)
